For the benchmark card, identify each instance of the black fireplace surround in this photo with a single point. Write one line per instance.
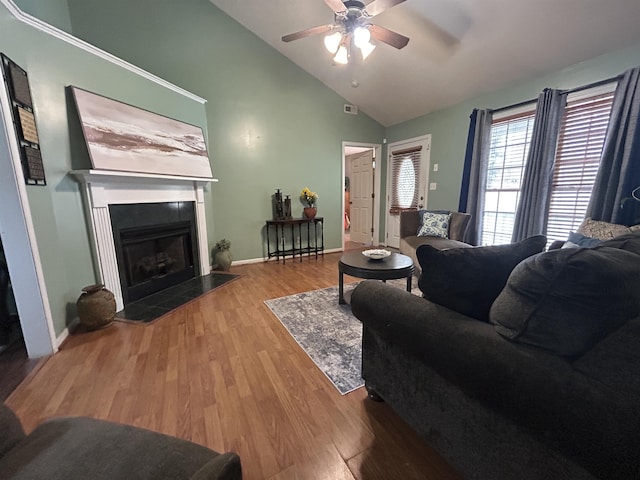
(156, 246)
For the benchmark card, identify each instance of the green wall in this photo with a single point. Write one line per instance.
(449, 126)
(58, 216)
(271, 125)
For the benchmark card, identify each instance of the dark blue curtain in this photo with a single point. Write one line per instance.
(466, 171)
(535, 192)
(619, 172)
(475, 172)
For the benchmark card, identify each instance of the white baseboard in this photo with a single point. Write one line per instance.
(65, 333)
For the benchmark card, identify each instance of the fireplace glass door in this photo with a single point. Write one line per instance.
(156, 258)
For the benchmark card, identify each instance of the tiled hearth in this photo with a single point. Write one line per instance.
(154, 306)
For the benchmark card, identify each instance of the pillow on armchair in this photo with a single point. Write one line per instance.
(467, 280)
(434, 224)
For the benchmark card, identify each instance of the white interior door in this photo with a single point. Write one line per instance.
(361, 196)
(407, 180)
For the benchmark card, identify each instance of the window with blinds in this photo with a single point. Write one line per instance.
(578, 155)
(405, 179)
(510, 140)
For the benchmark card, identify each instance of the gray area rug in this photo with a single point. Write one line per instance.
(327, 332)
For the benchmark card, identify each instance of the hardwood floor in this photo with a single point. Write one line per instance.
(223, 372)
(15, 366)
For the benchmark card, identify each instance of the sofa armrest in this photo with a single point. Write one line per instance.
(409, 223)
(458, 225)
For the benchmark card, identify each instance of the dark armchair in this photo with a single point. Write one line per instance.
(86, 448)
(409, 241)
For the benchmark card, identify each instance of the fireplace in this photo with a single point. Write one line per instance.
(155, 246)
(105, 191)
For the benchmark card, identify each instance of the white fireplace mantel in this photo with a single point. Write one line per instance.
(102, 188)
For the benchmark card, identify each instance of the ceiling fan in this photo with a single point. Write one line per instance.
(352, 24)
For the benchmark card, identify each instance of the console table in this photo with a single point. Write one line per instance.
(286, 229)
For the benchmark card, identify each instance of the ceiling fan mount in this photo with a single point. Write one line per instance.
(349, 16)
(355, 12)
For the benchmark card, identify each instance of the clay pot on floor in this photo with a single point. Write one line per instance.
(96, 307)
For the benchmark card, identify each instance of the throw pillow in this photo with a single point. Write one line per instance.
(579, 240)
(468, 280)
(434, 225)
(565, 301)
(601, 230)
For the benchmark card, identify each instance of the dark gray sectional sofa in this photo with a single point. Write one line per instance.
(522, 394)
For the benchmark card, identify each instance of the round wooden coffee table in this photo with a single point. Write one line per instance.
(355, 264)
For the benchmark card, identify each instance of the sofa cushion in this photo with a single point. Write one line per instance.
(468, 280)
(629, 242)
(434, 225)
(567, 300)
(409, 245)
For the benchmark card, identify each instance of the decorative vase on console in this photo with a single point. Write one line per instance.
(223, 257)
(309, 198)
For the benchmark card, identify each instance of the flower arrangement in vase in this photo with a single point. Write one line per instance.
(309, 198)
(223, 257)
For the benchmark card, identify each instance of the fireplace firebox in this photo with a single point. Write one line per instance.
(155, 246)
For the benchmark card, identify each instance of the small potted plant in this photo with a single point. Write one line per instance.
(222, 257)
(309, 198)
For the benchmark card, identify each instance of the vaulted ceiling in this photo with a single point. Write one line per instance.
(458, 49)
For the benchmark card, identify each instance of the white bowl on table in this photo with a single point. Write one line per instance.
(376, 253)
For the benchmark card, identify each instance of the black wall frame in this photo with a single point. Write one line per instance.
(24, 119)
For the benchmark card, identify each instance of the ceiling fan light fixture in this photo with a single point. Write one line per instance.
(333, 41)
(366, 50)
(361, 36)
(342, 55)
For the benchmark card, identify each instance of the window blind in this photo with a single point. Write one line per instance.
(405, 179)
(580, 143)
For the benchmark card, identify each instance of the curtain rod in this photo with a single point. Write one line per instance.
(565, 92)
(592, 85)
(515, 105)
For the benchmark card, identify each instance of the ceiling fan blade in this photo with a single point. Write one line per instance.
(378, 6)
(308, 32)
(336, 5)
(388, 36)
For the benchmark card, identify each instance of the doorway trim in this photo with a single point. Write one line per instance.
(20, 245)
(377, 148)
(425, 141)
